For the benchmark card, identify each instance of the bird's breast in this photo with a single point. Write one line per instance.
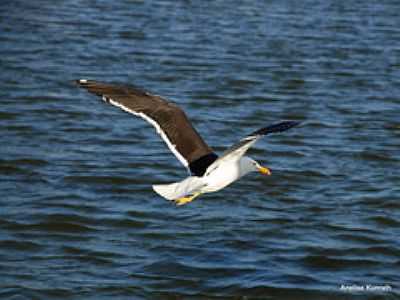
(222, 176)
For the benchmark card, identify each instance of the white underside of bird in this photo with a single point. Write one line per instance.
(220, 174)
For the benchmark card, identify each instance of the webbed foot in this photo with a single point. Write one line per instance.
(184, 200)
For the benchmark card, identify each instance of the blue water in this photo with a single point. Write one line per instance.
(78, 217)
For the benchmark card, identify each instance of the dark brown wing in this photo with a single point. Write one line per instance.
(169, 120)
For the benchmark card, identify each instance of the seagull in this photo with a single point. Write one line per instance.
(208, 172)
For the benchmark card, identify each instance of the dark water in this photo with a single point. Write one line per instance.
(78, 218)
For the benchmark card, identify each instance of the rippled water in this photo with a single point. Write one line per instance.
(78, 218)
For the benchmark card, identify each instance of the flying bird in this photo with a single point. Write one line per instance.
(208, 172)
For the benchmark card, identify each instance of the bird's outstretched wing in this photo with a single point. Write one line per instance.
(170, 121)
(240, 148)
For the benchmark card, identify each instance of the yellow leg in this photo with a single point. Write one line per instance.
(184, 200)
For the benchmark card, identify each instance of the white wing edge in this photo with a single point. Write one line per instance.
(171, 146)
(235, 153)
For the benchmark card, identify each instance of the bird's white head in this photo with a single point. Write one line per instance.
(248, 165)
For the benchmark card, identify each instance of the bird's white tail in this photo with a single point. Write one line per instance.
(179, 189)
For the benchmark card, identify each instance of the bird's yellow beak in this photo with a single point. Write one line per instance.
(264, 170)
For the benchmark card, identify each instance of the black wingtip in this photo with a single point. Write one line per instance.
(279, 127)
